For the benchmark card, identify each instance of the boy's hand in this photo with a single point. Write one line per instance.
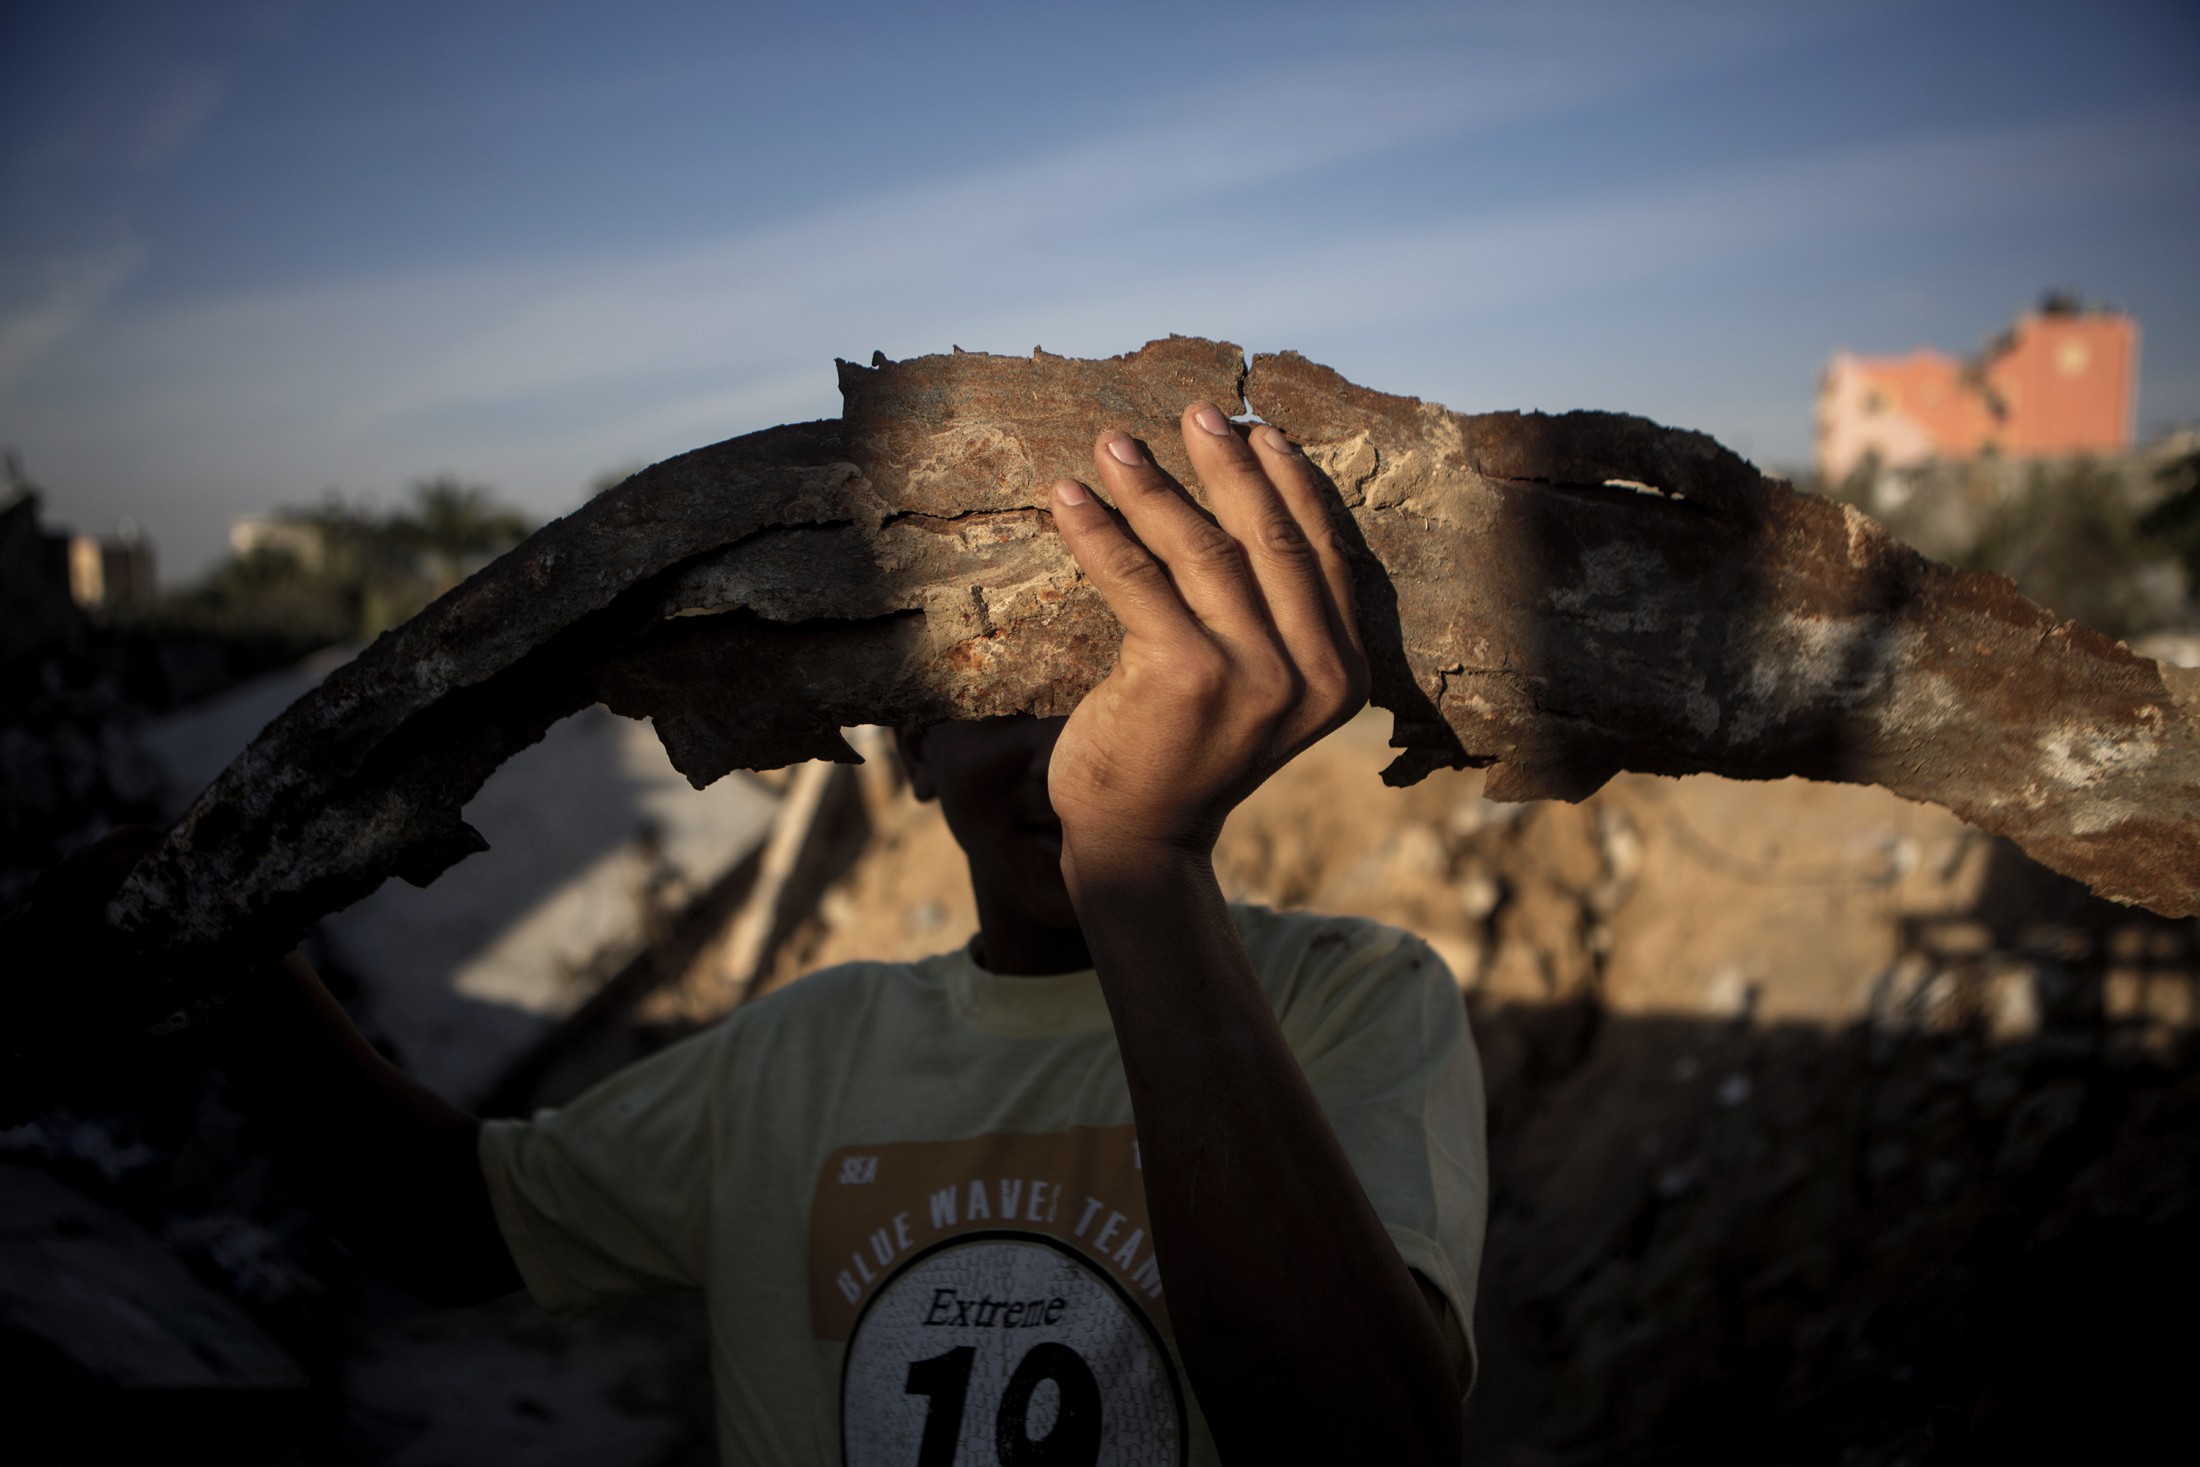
(1239, 646)
(1239, 649)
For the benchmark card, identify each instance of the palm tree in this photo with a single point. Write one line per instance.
(460, 524)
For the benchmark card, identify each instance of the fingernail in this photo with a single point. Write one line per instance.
(1277, 441)
(1213, 421)
(1069, 491)
(1125, 450)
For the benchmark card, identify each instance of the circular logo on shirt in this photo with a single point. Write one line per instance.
(1008, 1349)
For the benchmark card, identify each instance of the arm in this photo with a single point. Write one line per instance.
(1306, 1336)
(390, 1165)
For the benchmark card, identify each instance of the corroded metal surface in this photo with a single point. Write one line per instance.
(1588, 593)
(1557, 598)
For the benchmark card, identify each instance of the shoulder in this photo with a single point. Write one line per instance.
(832, 987)
(813, 1020)
(1295, 948)
(1322, 968)
(835, 997)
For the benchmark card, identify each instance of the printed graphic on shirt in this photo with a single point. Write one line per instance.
(1007, 1348)
(876, 1206)
(1000, 1301)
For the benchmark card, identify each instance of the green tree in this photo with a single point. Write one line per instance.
(459, 526)
(2072, 539)
(363, 572)
(2175, 521)
(611, 479)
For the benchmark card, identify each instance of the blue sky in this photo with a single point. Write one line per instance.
(251, 252)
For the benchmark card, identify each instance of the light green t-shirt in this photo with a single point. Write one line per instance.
(911, 1195)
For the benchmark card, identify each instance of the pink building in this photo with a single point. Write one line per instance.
(2060, 381)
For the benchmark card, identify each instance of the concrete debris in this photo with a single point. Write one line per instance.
(2178, 648)
(1735, 905)
(599, 846)
(114, 1348)
(1555, 599)
(501, 1383)
(748, 938)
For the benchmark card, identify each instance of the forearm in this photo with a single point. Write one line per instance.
(390, 1165)
(1304, 1332)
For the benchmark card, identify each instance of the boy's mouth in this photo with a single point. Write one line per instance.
(1044, 829)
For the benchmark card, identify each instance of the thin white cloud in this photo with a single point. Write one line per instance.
(171, 114)
(75, 180)
(53, 298)
(1706, 217)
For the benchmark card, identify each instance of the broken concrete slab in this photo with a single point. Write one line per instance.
(1553, 598)
(503, 1382)
(596, 841)
(596, 844)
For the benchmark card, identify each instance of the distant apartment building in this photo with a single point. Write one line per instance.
(2061, 380)
(279, 533)
(94, 571)
(116, 570)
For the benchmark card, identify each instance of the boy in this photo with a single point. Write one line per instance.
(1005, 1205)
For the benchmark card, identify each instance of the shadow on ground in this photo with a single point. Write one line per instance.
(1897, 1241)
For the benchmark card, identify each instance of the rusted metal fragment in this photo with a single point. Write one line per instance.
(1590, 592)
(365, 777)
(950, 435)
(751, 597)
(1555, 597)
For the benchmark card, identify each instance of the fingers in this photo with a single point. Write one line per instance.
(1266, 578)
(1300, 489)
(1244, 488)
(1268, 497)
(1201, 558)
(1125, 573)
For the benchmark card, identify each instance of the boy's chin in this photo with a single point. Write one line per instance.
(1046, 898)
(1032, 845)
